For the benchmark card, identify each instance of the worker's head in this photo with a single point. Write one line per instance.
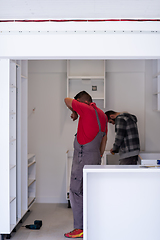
(84, 97)
(111, 115)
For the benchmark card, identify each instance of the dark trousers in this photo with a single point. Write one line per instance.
(129, 161)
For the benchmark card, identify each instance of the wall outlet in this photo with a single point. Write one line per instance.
(94, 88)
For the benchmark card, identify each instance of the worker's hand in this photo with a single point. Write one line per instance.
(74, 116)
(111, 151)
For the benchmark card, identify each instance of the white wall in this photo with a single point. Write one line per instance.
(152, 118)
(51, 131)
(125, 92)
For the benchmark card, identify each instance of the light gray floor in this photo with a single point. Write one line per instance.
(57, 219)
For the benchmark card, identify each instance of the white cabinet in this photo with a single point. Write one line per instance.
(14, 169)
(156, 85)
(87, 75)
(31, 179)
(121, 202)
(8, 169)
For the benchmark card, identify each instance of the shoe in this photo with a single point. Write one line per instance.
(76, 233)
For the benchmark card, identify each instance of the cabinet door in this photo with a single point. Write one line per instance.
(13, 143)
(8, 145)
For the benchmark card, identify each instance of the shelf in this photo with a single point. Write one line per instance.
(12, 86)
(31, 159)
(12, 166)
(31, 163)
(30, 181)
(12, 198)
(12, 113)
(94, 98)
(31, 201)
(87, 78)
(23, 77)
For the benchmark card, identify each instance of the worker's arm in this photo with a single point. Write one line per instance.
(103, 144)
(68, 102)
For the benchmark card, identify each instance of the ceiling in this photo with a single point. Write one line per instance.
(79, 9)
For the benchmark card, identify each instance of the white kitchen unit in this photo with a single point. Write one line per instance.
(69, 159)
(13, 143)
(156, 85)
(121, 202)
(87, 75)
(150, 159)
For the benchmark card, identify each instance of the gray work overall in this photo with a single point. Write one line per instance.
(87, 154)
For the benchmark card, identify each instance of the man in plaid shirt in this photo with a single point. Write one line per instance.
(126, 138)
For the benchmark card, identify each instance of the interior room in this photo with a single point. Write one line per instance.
(41, 63)
(51, 131)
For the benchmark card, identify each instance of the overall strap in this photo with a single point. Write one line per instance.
(98, 120)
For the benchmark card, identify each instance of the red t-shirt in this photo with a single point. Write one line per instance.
(88, 124)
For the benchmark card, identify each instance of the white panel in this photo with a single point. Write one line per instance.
(80, 46)
(87, 27)
(18, 116)
(24, 133)
(51, 132)
(4, 145)
(122, 202)
(51, 9)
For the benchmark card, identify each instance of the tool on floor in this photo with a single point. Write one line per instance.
(37, 225)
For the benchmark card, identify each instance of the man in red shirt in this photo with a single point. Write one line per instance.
(89, 146)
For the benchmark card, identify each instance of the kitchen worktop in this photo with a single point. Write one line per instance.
(120, 168)
(121, 202)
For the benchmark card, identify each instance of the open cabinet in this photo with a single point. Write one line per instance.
(88, 75)
(14, 143)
